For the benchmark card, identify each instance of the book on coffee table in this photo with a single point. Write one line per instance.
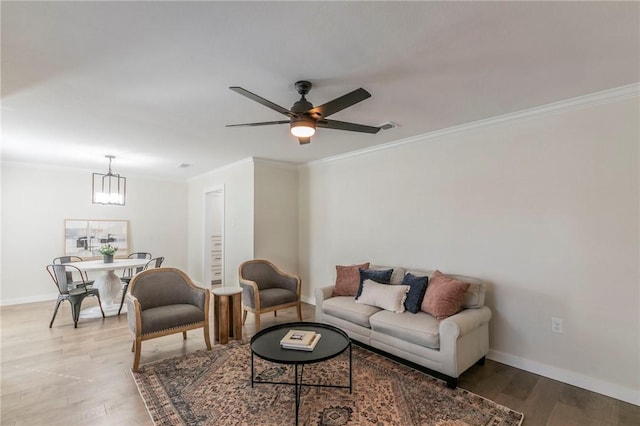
(300, 339)
(309, 347)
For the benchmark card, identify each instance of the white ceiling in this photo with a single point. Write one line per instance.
(148, 81)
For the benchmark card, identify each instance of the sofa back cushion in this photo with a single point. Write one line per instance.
(396, 276)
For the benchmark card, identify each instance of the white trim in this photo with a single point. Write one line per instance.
(632, 396)
(308, 300)
(276, 164)
(572, 104)
(60, 168)
(222, 168)
(29, 299)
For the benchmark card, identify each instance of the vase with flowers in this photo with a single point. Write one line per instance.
(107, 251)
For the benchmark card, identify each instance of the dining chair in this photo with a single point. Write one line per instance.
(68, 259)
(266, 288)
(73, 291)
(153, 263)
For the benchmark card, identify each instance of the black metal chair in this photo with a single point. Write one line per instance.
(129, 274)
(68, 259)
(73, 291)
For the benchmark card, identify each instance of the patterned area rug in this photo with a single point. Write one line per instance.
(214, 388)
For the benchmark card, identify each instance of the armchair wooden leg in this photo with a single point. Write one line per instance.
(257, 314)
(299, 309)
(133, 345)
(184, 335)
(136, 356)
(275, 313)
(207, 337)
(244, 316)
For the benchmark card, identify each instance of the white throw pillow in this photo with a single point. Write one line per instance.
(385, 296)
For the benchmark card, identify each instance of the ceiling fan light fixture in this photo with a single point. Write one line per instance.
(303, 127)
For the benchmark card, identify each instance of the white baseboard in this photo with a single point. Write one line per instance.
(309, 300)
(632, 396)
(30, 299)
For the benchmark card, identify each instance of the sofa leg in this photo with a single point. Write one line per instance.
(452, 382)
(481, 361)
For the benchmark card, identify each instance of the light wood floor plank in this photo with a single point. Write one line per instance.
(67, 376)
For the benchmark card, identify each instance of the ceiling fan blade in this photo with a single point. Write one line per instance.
(343, 125)
(344, 101)
(262, 101)
(262, 123)
(304, 141)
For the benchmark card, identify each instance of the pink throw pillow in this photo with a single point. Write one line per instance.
(348, 279)
(444, 296)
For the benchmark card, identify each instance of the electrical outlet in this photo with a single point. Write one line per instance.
(556, 325)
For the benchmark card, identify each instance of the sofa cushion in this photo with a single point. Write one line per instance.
(396, 276)
(389, 297)
(420, 329)
(165, 317)
(417, 288)
(444, 296)
(276, 296)
(346, 308)
(348, 279)
(474, 297)
(382, 276)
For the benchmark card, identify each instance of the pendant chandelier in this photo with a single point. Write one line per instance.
(108, 188)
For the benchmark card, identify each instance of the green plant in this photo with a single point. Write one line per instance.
(108, 250)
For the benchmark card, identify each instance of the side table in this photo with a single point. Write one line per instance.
(227, 311)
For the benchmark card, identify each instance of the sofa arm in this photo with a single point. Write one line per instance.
(464, 322)
(322, 294)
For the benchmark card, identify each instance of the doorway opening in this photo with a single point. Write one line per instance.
(214, 237)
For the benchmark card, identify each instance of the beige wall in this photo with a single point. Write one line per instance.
(276, 214)
(35, 202)
(544, 209)
(260, 216)
(237, 181)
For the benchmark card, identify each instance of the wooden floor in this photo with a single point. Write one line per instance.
(67, 376)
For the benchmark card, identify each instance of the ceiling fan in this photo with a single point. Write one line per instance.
(304, 117)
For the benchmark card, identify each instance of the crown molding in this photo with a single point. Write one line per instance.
(276, 163)
(586, 101)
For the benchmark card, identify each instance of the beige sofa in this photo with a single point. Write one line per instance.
(443, 348)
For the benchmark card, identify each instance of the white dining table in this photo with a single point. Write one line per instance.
(108, 283)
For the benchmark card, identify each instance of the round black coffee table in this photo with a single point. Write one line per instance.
(266, 345)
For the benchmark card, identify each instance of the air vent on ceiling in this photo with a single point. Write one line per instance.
(388, 125)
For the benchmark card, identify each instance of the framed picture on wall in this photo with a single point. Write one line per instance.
(84, 237)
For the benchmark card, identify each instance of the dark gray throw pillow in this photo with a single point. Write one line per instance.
(417, 289)
(382, 276)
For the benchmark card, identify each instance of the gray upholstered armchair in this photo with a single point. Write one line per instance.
(164, 301)
(266, 288)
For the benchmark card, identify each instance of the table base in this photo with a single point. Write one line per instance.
(298, 382)
(227, 309)
(109, 311)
